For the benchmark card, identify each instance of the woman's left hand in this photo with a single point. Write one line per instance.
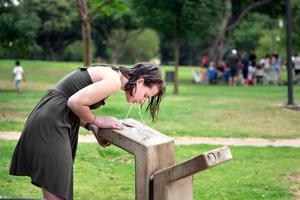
(108, 122)
(103, 142)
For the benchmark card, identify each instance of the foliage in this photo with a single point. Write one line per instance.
(278, 7)
(87, 11)
(114, 7)
(44, 29)
(181, 18)
(201, 19)
(116, 44)
(18, 31)
(274, 9)
(261, 33)
(104, 26)
(142, 45)
(247, 34)
(272, 42)
(55, 30)
(73, 52)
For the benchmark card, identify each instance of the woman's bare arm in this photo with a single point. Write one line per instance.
(80, 101)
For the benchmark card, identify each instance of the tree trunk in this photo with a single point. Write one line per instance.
(176, 59)
(87, 44)
(217, 49)
(86, 32)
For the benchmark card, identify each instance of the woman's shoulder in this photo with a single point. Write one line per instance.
(99, 73)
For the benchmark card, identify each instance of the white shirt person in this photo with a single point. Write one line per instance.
(18, 75)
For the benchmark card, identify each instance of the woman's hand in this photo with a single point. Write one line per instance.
(108, 122)
(103, 142)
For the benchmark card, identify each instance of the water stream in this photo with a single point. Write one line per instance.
(139, 112)
(131, 106)
(141, 115)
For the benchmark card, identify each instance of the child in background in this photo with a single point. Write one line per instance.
(259, 74)
(251, 75)
(18, 75)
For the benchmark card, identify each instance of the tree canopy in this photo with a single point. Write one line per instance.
(49, 29)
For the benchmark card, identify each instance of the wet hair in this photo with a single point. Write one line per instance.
(152, 77)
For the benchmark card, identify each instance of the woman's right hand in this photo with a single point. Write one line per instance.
(108, 122)
(103, 142)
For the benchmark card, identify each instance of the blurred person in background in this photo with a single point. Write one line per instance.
(245, 65)
(18, 76)
(233, 65)
(296, 62)
(276, 66)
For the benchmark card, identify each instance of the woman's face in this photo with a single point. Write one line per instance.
(141, 92)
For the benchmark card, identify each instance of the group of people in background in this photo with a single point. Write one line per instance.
(245, 69)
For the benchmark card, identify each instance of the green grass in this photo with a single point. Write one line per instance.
(38, 71)
(199, 110)
(102, 174)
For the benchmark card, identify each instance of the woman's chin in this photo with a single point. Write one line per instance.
(129, 100)
(132, 102)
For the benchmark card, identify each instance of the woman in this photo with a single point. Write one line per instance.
(47, 146)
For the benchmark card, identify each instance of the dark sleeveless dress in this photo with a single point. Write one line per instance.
(46, 149)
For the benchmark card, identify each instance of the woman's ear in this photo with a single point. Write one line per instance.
(140, 81)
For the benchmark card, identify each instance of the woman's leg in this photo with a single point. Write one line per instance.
(50, 196)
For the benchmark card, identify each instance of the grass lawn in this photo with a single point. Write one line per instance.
(104, 174)
(199, 110)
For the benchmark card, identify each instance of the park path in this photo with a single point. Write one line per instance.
(255, 142)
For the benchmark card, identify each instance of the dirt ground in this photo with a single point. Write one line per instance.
(256, 142)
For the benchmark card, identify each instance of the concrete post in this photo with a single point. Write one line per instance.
(176, 182)
(152, 150)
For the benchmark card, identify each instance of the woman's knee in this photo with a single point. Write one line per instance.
(50, 196)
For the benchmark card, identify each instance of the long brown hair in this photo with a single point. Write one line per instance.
(152, 76)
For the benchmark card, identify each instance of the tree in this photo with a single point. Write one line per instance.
(87, 16)
(178, 20)
(18, 30)
(255, 26)
(56, 30)
(110, 32)
(233, 14)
